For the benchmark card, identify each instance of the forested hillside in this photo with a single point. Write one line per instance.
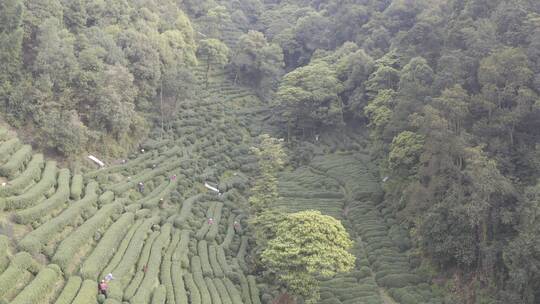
(266, 151)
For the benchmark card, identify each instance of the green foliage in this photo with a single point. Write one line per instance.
(216, 266)
(165, 272)
(34, 240)
(16, 162)
(76, 186)
(271, 158)
(159, 295)
(405, 151)
(297, 262)
(129, 257)
(202, 250)
(31, 174)
(185, 211)
(106, 247)
(4, 259)
(8, 147)
(214, 294)
(222, 290)
(32, 196)
(154, 261)
(70, 245)
(180, 295)
(310, 97)
(87, 294)
(90, 69)
(40, 287)
(215, 52)
(257, 62)
(193, 291)
(253, 290)
(70, 290)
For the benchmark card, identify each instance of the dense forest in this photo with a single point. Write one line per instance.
(441, 96)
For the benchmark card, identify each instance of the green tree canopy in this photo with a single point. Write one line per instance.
(310, 96)
(215, 52)
(256, 61)
(308, 244)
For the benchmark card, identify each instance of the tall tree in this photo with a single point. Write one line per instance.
(308, 245)
(256, 61)
(215, 53)
(11, 38)
(310, 97)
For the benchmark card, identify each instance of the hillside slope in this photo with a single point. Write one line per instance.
(66, 230)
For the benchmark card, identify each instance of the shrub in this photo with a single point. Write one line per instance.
(180, 295)
(230, 231)
(134, 248)
(222, 260)
(31, 197)
(11, 277)
(142, 295)
(132, 208)
(206, 226)
(203, 289)
(399, 280)
(139, 161)
(70, 290)
(8, 147)
(254, 290)
(233, 291)
(181, 252)
(106, 247)
(16, 162)
(87, 294)
(193, 291)
(244, 288)
(159, 295)
(142, 263)
(40, 288)
(214, 294)
(212, 256)
(76, 187)
(51, 204)
(32, 241)
(70, 245)
(240, 256)
(165, 268)
(121, 249)
(106, 198)
(405, 297)
(214, 228)
(4, 259)
(185, 211)
(153, 200)
(202, 249)
(143, 213)
(147, 175)
(196, 264)
(222, 290)
(31, 174)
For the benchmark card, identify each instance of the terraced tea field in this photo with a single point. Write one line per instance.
(344, 185)
(151, 222)
(62, 231)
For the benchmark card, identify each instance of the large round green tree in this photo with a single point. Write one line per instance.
(308, 245)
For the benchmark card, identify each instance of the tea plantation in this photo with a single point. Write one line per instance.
(63, 231)
(343, 185)
(151, 222)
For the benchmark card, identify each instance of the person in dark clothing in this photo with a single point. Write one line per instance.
(141, 187)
